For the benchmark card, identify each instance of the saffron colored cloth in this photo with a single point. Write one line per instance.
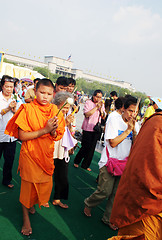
(36, 156)
(150, 226)
(139, 193)
(35, 193)
(141, 237)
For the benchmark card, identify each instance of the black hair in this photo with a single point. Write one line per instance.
(44, 82)
(72, 81)
(108, 102)
(119, 102)
(62, 81)
(158, 110)
(36, 79)
(128, 96)
(113, 93)
(97, 91)
(130, 101)
(4, 77)
(16, 80)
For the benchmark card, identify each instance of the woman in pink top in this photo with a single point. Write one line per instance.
(93, 111)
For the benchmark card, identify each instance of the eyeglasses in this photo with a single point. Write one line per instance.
(9, 80)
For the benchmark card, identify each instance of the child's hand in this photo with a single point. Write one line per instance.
(51, 125)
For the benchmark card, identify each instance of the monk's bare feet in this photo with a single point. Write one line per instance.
(26, 231)
(32, 210)
(26, 228)
(46, 205)
(87, 211)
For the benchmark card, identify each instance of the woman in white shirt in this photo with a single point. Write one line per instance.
(9, 104)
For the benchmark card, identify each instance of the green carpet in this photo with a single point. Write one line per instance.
(55, 223)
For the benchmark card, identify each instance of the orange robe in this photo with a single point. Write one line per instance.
(141, 237)
(36, 156)
(139, 194)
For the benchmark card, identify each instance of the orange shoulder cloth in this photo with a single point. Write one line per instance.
(32, 117)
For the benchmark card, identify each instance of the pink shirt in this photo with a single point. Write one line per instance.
(90, 122)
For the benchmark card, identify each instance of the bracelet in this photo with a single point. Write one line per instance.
(3, 111)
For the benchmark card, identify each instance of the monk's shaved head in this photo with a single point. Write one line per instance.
(45, 82)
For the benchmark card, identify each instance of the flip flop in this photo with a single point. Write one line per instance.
(10, 185)
(76, 165)
(60, 204)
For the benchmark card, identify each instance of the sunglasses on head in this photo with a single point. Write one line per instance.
(9, 80)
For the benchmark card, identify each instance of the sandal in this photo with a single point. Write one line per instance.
(76, 165)
(60, 204)
(10, 185)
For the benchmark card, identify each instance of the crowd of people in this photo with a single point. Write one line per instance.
(42, 116)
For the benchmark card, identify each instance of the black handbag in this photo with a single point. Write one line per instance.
(97, 128)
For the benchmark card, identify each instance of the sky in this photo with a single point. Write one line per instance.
(116, 39)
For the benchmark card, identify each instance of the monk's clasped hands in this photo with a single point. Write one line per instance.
(51, 125)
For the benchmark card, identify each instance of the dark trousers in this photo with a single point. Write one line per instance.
(8, 151)
(89, 140)
(61, 179)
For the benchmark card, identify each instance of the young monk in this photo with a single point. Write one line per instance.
(37, 126)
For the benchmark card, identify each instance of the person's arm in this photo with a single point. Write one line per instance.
(51, 126)
(11, 107)
(93, 110)
(114, 142)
